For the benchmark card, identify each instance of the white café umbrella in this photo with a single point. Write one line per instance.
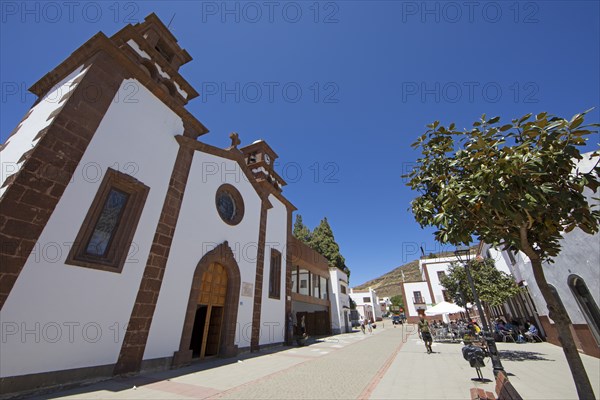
(444, 308)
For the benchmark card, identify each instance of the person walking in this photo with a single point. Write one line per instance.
(369, 324)
(362, 326)
(425, 333)
(303, 327)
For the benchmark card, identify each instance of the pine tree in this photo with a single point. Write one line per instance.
(323, 242)
(301, 231)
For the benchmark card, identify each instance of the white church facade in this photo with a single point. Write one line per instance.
(127, 243)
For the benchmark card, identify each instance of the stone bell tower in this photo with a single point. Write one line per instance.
(260, 157)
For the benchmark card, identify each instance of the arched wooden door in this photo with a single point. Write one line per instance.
(206, 334)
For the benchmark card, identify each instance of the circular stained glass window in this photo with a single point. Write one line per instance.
(229, 204)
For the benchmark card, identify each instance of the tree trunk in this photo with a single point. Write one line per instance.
(563, 326)
(561, 321)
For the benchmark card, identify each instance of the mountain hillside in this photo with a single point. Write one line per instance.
(388, 285)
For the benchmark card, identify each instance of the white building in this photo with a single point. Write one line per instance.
(421, 295)
(385, 303)
(127, 243)
(417, 298)
(340, 301)
(311, 292)
(367, 303)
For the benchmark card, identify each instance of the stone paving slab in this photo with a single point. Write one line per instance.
(536, 370)
(540, 370)
(211, 378)
(240, 373)
(338, 374)
(414, 374)
(389, 364)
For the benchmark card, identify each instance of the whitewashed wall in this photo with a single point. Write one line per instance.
(338, 299)
(199, 230)
(373, 302)
(77, 316)
(359, 297)
(24, 139)
(376, 306)
(436, 285)
(500, 262)
(272, 319)
(409, 288)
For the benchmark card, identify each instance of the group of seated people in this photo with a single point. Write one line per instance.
(457, 329)
(514, 330)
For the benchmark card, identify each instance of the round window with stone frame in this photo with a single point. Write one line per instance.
(230, 204)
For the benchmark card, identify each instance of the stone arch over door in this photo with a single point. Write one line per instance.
(222, 255)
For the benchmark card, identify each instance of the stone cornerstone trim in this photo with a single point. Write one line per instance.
(34, 191)
(429, 283)
(587, 340)
(289, 331)
(134, 343)
(223, 255)
(36, 384)
(584, 340)
(258, 284)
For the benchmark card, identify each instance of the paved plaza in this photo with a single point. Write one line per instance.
(391, 363)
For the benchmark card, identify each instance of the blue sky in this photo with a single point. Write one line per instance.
(339, 89)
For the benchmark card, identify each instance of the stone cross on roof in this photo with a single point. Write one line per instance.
(235, 140)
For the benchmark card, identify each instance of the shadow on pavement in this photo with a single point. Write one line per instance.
(519, 355)
(117, 384)
(482, 380)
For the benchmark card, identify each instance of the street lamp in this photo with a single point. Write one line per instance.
(463, 254)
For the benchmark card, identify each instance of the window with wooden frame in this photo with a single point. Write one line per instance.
(105, 237)
(303, 279)
(447, 297)
(275, 275)
(315, 286)
(440, 275)
(417, 298)
(323, 283)
(295, 279)
(511, 257)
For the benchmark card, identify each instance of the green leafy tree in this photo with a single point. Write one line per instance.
(301, 231)
(352, 303)
(397, 301)
(323, 242)
(515, 185)
(494, 287)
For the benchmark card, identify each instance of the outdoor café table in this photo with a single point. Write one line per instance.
(442, 334)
